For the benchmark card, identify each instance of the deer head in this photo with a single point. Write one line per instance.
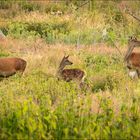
(64, 62)
(132, 43)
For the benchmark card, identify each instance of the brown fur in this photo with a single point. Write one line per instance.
(10, 66)
(133, 59)
(71, 74)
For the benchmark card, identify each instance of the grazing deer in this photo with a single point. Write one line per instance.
(133, 59)
(70, 74)
(11, 66)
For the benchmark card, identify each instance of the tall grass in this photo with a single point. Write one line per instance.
(38, 106)
(106, 23)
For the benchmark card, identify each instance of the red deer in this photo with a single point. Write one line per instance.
(133, 59)
(11, 66)
(70, 74)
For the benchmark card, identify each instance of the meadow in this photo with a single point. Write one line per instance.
(38, 105)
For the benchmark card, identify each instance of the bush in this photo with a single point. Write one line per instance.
(30, 6)
(108, 81)
(5, 4)
(3, 53)
(97, 62)
(54, 7)
(51, 32)
(34, 109)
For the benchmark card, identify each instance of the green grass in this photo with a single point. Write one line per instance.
(103, 24)
(38, 106)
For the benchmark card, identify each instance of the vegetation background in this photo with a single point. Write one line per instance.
(37, 105)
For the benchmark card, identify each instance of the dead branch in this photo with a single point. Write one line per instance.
(82, 4)
(131, 14)
(118, 49)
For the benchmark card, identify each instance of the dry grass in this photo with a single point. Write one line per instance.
(39, 106)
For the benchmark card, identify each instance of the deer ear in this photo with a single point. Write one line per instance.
(67, 56)
(63, 57)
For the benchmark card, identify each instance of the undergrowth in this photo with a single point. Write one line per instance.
(39, 106)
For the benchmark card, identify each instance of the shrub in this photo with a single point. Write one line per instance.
(5, 4)
(108, 81)
(97, 62)
(30, 6)
(54, 7)
(49, 31)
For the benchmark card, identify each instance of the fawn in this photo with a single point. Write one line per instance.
(70, 74)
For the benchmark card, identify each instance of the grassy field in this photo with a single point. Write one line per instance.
(38, 105)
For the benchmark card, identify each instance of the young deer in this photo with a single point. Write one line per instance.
(11, 66)
(70, 74)
(133, 59)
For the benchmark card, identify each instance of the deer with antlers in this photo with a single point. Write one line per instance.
(132, 59)
(70, 74)
(11, 66)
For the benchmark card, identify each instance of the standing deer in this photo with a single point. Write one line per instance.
(70, 74)
(133, 59)
(11, 66)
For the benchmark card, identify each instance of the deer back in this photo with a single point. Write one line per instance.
(9, 66)
(72, 74)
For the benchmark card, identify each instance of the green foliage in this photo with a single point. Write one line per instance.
(103, 72)
(3, 53)
(28, 6)
(58, 31)
(39, 106)
(65, 25)
(54, 7)
(108, 81)
(50, 31)
(5, 4)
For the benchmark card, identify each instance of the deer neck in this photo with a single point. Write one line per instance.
(128, 53)
(60, 69)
